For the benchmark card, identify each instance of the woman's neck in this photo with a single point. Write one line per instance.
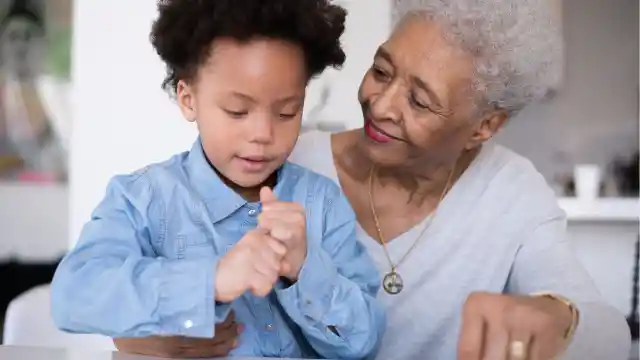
(416, 185)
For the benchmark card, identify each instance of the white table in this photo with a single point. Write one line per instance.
(39, 353)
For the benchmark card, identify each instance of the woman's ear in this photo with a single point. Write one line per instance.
(185, 94)
(488, 127)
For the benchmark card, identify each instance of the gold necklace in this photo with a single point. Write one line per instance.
(392, 282)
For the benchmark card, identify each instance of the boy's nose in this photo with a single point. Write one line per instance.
(261, 131)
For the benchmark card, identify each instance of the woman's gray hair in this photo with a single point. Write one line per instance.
(517, 44)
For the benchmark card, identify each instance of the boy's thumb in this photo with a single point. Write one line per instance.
(267, 195)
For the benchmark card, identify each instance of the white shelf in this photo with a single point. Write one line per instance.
(604, 209)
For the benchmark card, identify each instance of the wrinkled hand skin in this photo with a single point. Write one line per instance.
(492, 321)
(226, 339)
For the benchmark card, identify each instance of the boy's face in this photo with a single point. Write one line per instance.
(247, 101)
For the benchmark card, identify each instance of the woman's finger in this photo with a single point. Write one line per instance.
(520, 334)
(222, 350)
(520, 347)
(496, 341)
(544, 346)
(471, 340)
(228, 322)
(224, 334)
(208, 349)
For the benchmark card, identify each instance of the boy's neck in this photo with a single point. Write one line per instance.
(252, 194)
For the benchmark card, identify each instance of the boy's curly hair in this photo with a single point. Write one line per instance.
(185, 29)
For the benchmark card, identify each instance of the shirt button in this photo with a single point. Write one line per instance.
(252, 212)
(188, 324)
(268, 327)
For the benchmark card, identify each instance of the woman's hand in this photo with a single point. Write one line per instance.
(181, 347)
(503, 327)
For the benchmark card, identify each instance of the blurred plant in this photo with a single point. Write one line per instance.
(59, 52)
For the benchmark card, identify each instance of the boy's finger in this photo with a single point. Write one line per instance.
(267, 195)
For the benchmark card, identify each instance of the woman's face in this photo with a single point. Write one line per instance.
(417, 99)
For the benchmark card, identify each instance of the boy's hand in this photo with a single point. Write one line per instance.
(286, 222)
(253, 264)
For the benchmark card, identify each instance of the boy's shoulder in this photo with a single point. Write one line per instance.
(152, 176)
(313, 181)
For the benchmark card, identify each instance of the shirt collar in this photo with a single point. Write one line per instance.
(221, 200)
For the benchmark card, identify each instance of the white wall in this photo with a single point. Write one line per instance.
(368, 25)
(607, 250)
(122, 118)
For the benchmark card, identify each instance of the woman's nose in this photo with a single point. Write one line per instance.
(385, 104)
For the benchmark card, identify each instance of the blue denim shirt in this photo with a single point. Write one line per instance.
(145, 265)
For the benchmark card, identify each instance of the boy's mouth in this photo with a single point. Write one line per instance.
(254, 163)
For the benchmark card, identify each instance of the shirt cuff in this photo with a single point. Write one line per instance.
(311, 295)
(187, 300)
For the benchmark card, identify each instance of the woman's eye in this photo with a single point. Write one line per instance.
(417, 103)
(379, 74)
(288, 116)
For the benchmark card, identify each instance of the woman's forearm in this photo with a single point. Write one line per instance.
(602, 333)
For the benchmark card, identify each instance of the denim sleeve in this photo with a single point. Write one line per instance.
(333, 300)
(112, 283)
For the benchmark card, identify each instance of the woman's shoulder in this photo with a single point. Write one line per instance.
(313, 151)
(504, 175)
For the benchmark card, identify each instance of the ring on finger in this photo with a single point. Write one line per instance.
(517, 350)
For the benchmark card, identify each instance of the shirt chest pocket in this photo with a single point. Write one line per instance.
(193, 244)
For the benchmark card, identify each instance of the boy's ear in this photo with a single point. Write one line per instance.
(185, 95)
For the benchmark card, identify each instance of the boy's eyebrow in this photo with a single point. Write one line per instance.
(283, 100)
(243, 96)
(292, 98)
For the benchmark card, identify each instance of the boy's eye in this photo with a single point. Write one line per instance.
(236, 114)
(288, 116)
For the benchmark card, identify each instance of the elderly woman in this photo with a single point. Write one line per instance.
(468, 236)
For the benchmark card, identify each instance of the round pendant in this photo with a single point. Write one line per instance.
(392, 283)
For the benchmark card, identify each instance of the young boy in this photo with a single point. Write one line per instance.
(177, 246)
